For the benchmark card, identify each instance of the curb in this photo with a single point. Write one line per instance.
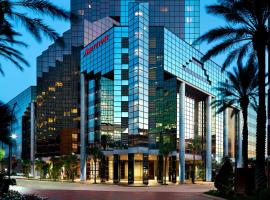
(213, 197)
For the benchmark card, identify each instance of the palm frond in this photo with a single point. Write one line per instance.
(36, 26)
(44, 7)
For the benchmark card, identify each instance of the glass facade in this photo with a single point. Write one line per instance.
(133, 72)
(21, 104)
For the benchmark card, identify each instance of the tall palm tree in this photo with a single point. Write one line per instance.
(195, 145)
(245, 35)
(97, 154)
(29, 14)
(241, 89)
(165, 148)
(5, 123)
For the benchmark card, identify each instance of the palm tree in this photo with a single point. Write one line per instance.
(21, 12)
(165, 148)
(39, 166)
(245, 35)
(241, 89)
(195, 146)
(70, 164)
(97, 154)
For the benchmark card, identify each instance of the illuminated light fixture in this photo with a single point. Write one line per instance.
(138, 13)
(89, 6)
(14, 136)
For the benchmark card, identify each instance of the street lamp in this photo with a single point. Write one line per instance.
(13, 136)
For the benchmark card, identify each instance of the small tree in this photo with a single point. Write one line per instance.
(70, 164)
(2, 154)
(195, 147)
(26, 168)
(225, 178)
(57, 164)
(97, 154)
(39, 166)
(165, 148)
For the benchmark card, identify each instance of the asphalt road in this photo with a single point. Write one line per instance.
(78, 191)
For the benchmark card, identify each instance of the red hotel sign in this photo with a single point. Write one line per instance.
(96, 45)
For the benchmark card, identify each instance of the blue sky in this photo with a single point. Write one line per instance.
(16, 81)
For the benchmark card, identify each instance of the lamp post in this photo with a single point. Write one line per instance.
(13, 136)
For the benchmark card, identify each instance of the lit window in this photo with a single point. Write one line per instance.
(59, 84)
(74, 110)
(50, 120)
(139, 13)
(138, 34)
(74, 136)
(189, 8)
(52, 89)
(189, 19)
(164, 9)
(81, 12)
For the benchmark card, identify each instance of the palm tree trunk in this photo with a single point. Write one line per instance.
(165, 169)
(261, 121)
(95, 173)
(245, 137)
(193, 168)
(268, 99)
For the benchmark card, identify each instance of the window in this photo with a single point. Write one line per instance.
(124, 58)
(124, 106)
(125, 42)
(124, 89)
(124, 74)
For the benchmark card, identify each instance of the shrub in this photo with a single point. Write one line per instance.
(224, 180)
(264, 194)
(13, 195)
(5, 182)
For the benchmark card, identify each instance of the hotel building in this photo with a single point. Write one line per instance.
(143, 84)
(128, 72)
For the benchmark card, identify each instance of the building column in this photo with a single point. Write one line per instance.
(182, 92)
(225, 133)
(83, 130)
(145, 169)
(239, 161)
(116, 162)
(208, 154)
(32, 139)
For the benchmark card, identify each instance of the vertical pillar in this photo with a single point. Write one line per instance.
(83, 130)
(225, 133)
(32, 139)
(145, 169)
(173, 161)
(116, 160)
(160, 169)
(208, 156)
(239, 161)
(182, 91)
(130, 168)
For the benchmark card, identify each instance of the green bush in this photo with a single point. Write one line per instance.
(264, 194)
(13, 195)
(224, 180)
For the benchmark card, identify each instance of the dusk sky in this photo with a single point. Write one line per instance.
(16, 81)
